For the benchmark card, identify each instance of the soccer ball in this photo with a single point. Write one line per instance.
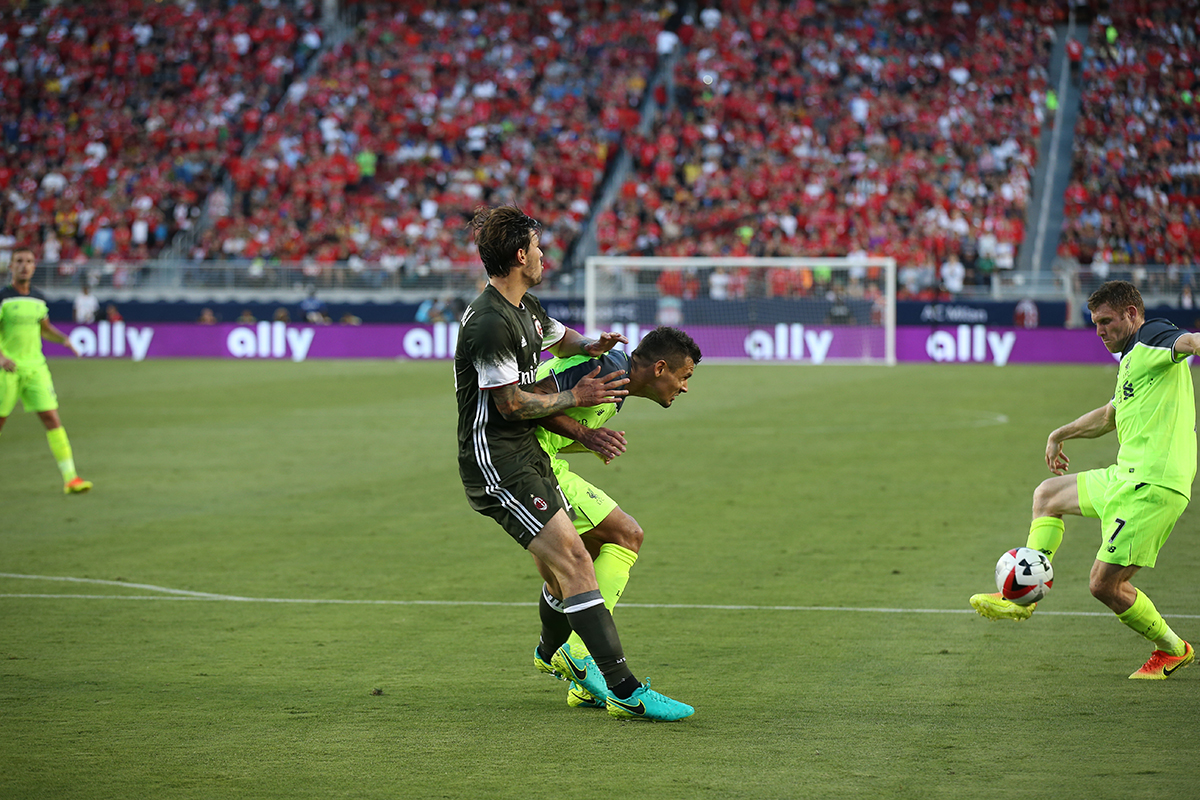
(1024, 576)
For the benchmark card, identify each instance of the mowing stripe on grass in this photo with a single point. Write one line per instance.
(184, 594)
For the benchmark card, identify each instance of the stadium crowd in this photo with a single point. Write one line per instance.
(900, 129)
(119, 118)
(422, 115)
(897, 129)
(1134, 195)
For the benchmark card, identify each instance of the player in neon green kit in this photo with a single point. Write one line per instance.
(507, 476)
(659, 370)
(24, 322)
(1138, 499)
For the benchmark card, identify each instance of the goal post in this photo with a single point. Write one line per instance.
(785, 310)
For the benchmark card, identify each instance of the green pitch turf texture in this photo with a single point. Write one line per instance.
(278, 591)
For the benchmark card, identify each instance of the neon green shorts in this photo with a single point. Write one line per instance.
(591, 505)
(31, 385)
(1135, 518)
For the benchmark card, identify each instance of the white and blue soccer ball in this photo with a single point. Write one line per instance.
(1024, 575)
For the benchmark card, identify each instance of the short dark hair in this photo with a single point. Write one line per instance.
(1117, 295)
(499, 234)
(12, 254)
(667, 344)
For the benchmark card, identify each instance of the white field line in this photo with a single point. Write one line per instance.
(183, 594)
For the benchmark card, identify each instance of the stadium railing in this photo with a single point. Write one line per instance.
(380, 281)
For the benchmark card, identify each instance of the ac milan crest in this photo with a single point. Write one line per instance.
(537, 326)
(539, 503)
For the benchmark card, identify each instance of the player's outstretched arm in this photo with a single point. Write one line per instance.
(1188, 344)
(574, 343)
(1091, 425)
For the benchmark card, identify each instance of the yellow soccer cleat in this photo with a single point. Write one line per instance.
(994, 606)
(76, 486)
(1163, 665)
(545, 667)
(579, 697)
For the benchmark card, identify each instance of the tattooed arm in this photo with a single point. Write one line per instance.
(515, 403)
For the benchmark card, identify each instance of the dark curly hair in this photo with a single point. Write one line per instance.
(499, 233)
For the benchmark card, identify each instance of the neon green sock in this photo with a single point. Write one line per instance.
(1046, 534)
(1144, 618)
(612, 573)
(61, 448)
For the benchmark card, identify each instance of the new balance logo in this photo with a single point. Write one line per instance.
(1127, 390)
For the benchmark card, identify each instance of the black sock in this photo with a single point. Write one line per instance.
(556, 628)
(595, 627)
(625, 688)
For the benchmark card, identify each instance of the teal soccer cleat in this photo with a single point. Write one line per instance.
(583, 670)
(648, 704)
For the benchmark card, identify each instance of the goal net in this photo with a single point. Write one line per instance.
(790, 310)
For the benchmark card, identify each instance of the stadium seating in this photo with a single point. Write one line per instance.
(790, 128)
(800, 129)
(423, 115)
(119, 118)
(1135, 189)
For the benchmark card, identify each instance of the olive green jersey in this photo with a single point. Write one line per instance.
(21, 318)
(498, 344)
(1156, 410)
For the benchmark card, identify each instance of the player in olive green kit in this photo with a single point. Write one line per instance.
(24, 322)
(659, 370)
(507, 475)
(1138, 499)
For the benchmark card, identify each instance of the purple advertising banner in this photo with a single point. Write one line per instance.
(985, 344)
(794, 342)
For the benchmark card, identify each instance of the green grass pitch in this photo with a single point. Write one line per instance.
(278, 591)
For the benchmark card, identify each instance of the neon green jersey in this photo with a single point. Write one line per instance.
(567, 372)
(21, 318)
(1156, 411)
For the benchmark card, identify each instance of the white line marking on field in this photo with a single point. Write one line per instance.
(184, 594)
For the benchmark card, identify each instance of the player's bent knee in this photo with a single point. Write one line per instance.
(633, 536)
(568, 560)
(1056, 496)
(620, 529)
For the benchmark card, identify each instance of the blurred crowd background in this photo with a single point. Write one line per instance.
(300, 145)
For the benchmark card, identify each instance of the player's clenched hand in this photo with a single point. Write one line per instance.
(594, 391)
(607, 444)
(7, 364)
(606, 342)
(1056, 459)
